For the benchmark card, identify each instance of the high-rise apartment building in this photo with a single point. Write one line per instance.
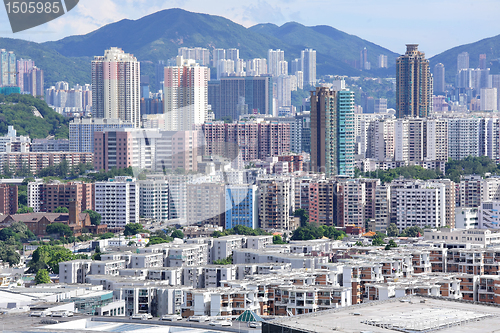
(201, 55)
(205, 203)
(482, 61)
(413, 84)
(33, 82)
(81, 132)
(463, 137)
(186, 95)
(322, 202)
(154, 199)
(231, 97)
(116, 86)
(462, 61)
(308, 66)
(382, 61)
(332, 130)
(276, 201)
(275, 59)
(8, 70)
(439, 84)
(241, 207)
(56, 194)
(23, 66)
(8, 199)
(117, 200)
(489, 99)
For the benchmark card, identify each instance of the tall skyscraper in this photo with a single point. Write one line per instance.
(186, 95)
(382, 61)
(233, 54)
(274, 57)
(482, 61)
(23, 66)
(332, 130)
(7, 68)
(116, 86)
(218, 54)
(413, 84)
(33, 82)
(308, 65)
(363, 59)
(462, 61)
(439, 84)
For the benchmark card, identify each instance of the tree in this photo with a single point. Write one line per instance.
(61, 210)
(177, 234)
(392, 230)
(227, 261)
(304, 217)
(278, 240)
(9, 254)
(412, 232)
(48, 257)
(377, 240)
(106, 235)
(133, 229)
(97, 253)
(59, 228)
(6, 233)
(158, 240)
(95, 217)
(24, 210)
(42, 277)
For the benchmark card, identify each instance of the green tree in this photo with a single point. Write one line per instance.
(226, 261)
(133, 229)
(304, 217)
(42, 277)
(106, 235)
(48, 257)
(97, 253)
(378, 240)
(412, 232)
(59, 228)
(95, 217)
(24, 210)
(392, 230)
(278, 240)
(158, 240)
(177, 234)
(61, 210)
(9, 254)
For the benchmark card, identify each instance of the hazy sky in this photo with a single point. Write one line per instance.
(436, 25)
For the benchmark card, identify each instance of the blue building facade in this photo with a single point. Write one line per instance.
(241, 206)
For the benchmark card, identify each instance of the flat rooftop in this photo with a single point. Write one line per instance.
(410, 314)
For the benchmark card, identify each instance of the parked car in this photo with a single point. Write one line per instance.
(221, 323)
(38, 314)
(62, 313)
(171, 317)
(199, 318)
(140, 316)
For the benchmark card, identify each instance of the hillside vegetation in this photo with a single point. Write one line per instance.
(17, 110)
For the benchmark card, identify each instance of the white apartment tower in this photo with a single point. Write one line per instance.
(186, 95)
(116, 86)
(463, 137)
(308, 64)
(153, 199)
(274, 58)
(117, 200)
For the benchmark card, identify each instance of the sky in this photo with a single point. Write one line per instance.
(436, 25)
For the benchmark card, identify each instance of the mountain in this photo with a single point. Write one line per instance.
(489, 46)
(334, 48)
(159, 35)
(56, 67)
(17, 110)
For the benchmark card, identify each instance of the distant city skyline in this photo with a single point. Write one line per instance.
(440, 23)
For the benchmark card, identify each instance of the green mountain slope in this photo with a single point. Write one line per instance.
(334, 48)
(159, 35)
(56, 67)
(489, 46)
(17, 110)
